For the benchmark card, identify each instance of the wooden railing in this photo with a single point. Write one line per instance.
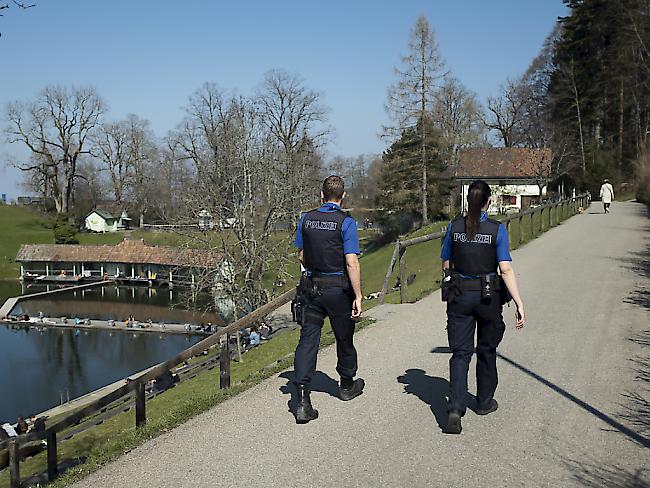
(563, 210)
(135, 384)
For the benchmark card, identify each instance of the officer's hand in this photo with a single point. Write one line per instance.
(356, 308)
(520, 316)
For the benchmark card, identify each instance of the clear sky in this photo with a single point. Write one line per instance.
(147, 57)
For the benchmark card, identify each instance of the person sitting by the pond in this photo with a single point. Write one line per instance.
(24, 318)
(21, 426)
(163, 382)
(208, 328)
(255, 337)
(130, 322)
(265, 331)
(37, 424)
(62, 273)
(245, 335)
(111, 323)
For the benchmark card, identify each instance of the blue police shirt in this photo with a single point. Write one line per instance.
(348, 231)
(503, 244)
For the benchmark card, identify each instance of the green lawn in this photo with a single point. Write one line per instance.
(19, 226)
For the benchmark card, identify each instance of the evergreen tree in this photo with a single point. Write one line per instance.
(400, 183)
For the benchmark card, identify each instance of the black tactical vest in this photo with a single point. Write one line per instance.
(477, 257)
(322, 238)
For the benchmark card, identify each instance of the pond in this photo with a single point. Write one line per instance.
(42, 368)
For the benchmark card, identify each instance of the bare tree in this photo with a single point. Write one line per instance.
(110, 146)
(297, 122)
(456, 114)
(20, 6)
(505, 113)
(412, 97)
(55, 127)
(239, 181)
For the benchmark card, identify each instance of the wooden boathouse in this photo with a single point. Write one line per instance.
(130, 261)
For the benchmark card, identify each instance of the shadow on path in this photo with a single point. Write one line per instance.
(595, 475)
(320, 383)
(634, 436)
(431, 390)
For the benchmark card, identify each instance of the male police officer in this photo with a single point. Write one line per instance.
(329, 248)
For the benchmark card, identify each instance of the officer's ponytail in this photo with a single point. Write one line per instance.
(477, 197)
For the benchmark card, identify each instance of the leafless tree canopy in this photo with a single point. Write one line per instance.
(251, 162)
(56, 127)
(297, 125)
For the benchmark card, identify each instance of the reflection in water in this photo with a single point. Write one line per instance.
(37, 367)
(117, 303)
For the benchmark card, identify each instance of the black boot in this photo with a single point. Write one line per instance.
(304, 412)
(350, 388)
(454, 425)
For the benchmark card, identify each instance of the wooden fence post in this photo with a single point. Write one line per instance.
(521, 231)
(52, 461)
(389, 272)
(224, 364)
(402, 276)
(140, 405)
(14, 464)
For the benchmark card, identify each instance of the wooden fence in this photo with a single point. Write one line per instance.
(550, 214)
(135, 384)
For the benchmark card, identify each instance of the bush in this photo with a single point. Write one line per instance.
(65, 231)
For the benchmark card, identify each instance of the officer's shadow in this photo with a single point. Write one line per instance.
(319, 383)
(431, 390)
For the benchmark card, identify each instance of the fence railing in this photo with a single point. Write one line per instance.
(135, 384)
(550, 214)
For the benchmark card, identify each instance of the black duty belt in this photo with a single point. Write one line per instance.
(331, 280)
(469, 284)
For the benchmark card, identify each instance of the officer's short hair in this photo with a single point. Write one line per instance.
(333, 188)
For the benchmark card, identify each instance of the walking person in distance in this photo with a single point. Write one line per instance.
(331, 285)
(606, 194)
(474, 248)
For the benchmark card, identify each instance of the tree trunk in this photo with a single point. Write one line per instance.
(620, 124)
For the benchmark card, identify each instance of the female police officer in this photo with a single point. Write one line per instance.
(472, 251)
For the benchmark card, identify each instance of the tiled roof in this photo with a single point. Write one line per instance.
(500, 162)
(127, 251)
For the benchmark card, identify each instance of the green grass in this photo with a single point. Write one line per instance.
(116, 436)
(19, 226)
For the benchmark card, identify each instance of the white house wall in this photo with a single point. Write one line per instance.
(518, 190)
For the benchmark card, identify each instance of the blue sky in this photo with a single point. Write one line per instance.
(147, 57)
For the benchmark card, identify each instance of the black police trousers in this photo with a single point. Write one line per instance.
(465, 313)
(335, 303)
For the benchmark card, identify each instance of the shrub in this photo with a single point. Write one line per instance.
(65, 231)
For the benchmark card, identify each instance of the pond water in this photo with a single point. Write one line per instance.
(39, 368)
